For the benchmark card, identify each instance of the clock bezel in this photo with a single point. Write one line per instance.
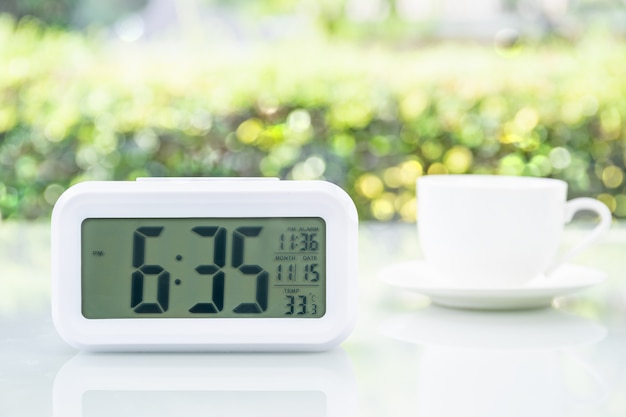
(215, 198)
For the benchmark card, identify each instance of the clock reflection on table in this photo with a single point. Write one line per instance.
(121, 385)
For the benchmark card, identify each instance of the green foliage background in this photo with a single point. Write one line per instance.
(369, 118)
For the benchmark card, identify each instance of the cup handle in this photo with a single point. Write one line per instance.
(572, 207)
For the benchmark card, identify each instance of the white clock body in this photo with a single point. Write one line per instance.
(215, 199)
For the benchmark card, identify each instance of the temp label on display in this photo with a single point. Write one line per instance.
(186, 268)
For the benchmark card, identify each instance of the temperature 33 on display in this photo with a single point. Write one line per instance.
(204, 264)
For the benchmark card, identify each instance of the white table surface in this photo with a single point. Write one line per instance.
(406, 357)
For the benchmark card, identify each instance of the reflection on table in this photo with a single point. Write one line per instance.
(320, 384)
(477, 363)
(406, 357)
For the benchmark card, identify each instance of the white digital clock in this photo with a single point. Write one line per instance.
(204, 264)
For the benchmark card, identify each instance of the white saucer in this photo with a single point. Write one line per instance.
(416, 276)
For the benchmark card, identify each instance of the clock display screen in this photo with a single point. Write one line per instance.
(203, 268)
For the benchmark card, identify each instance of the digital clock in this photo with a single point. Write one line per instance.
(204, 264)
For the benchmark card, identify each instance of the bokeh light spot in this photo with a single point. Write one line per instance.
(130, 29)
(26, 168)
(601, 150)
(526, 119)
(611, 122)
(589, 105)
(571, 112)
(380, 145)
(560, 158)
(343, 144)
(299, 120)
(268, 105)
(411, 170)
(511, 165)
(609, 200)
(147, 140)
(353, 114)
(612, 176)
(105, 142)
(249, 131)
(620, 209)
(393, 177)
(432, 150)
(408, 210)
(311, 169)
(507, 42)
(86, 157)
(458, 159)
(543, 164)
(510, 138)
(437, 169)
(201, 120)
(383, 208)
(55, 131)
(52, 193)
(413, 105)
(494, 107)
(8, 119)
(370, 186)
(472, 135)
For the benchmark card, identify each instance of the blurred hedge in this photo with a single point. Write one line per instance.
(370, 119)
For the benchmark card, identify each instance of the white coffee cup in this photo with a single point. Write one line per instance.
(497, 231)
